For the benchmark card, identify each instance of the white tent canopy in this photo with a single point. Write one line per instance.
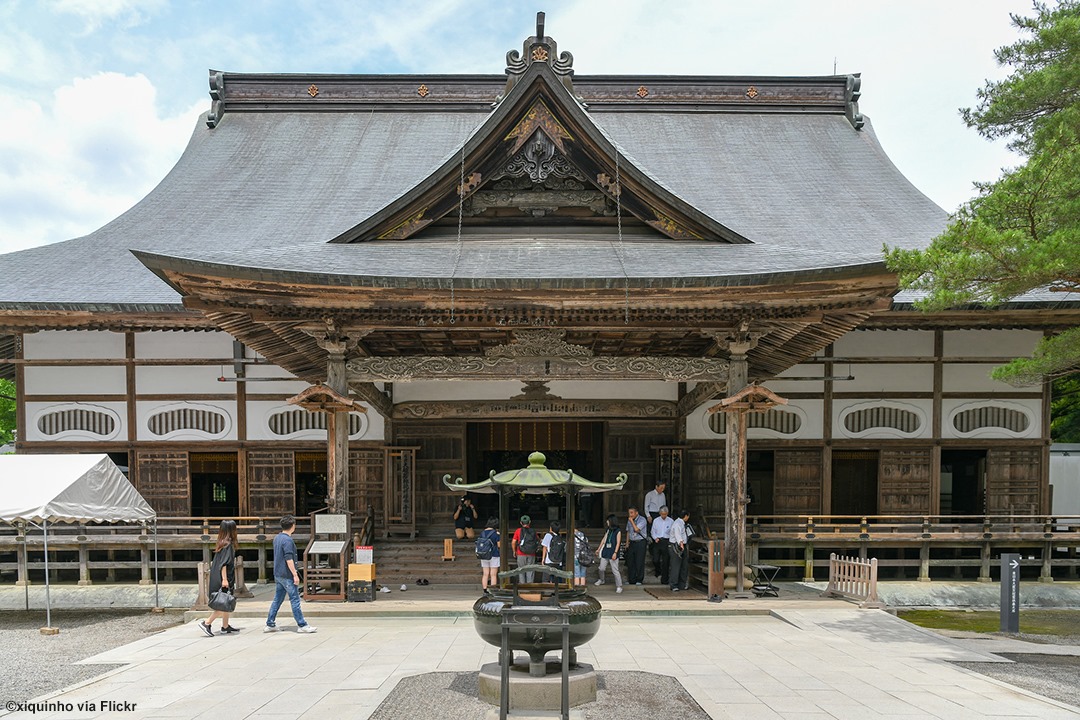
(68, 488)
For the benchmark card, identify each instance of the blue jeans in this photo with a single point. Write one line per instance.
(285, 585)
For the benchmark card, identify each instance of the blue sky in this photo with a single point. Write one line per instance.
(99, 97)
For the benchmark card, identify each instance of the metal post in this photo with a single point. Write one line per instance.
(157, 590)
(566, 668)
(48, 598)
(504, 682)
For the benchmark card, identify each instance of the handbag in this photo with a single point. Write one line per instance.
(222, 601)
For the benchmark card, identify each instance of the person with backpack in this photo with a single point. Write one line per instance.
(526, 545)
(554, 549)
(608, 552)
(583, 557)
(487, 551)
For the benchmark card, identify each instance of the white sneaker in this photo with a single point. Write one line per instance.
(269, 628)
(384, 589)
(404, 587)
(618, 589)
(598, 582)
(307, 629)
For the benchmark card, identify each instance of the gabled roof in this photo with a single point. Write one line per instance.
(537, 125)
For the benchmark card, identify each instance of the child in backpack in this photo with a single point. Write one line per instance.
(554, 548)
(582, 557)
(526, 545)
(489, 567)
(608, 552)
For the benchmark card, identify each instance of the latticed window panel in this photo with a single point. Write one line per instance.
(778, 421)
(882, 416)
(991, 416)
(84, 420)
(299, 420)
(199, 419)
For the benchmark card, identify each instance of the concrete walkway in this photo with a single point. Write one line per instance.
(801, 660)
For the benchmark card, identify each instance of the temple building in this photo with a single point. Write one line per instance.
(461, 269)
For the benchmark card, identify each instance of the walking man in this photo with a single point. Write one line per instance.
(679, 552)
(636, 535)
(286, 578)
(661, 530)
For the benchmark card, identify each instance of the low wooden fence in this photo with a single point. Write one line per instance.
(946, 545)
(99, 551)
(853, 578)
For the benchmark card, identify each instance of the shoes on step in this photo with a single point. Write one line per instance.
(598, 582)
(384, 589)
(420, 581)
(426, 582)
(206, 629)
(269, 628)
(229, 629)
(674, 589)
(637, 583)
(307, 629)
(618, 589)
(403, 587)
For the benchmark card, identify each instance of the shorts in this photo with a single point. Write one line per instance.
(490, 563)
(579, 571)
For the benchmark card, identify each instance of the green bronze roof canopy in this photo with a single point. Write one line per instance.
(536, 479)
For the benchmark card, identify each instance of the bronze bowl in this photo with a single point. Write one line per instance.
(584, 621)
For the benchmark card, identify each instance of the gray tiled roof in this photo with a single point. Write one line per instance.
(269, 189)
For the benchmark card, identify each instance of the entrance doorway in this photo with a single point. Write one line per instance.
(311, 490)
(963, 482)
(854, 482)
(566, 444)
(759, 482)
(215, 485)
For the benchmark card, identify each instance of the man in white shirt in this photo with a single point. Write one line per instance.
(677, 550)
(661, 529)
(653, 500)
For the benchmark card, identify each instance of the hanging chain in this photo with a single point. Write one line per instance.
(457, 248)
(619, 252)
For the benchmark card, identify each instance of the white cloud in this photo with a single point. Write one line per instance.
(72, 166)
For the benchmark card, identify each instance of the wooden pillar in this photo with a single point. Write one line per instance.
(924, 562)
(1047, 575)
(84, 564)
(337, 433)
(735, 471)
(23, 559)
(984, 566)
(808, 562)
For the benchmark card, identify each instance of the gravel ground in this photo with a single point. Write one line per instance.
(631, 695)
(1055, 676)
(36, 664)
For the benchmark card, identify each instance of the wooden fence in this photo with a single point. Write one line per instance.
(853, 578)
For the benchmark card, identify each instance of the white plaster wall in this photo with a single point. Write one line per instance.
(810, 412)
(883, 377)
(975, 378)
(145, 409)
(258, 418)
(989, 343)
(173, 380)
(75, 380)
(284, 386)
(779, 386)
(1033, 409)
(885, 343)
(117, 410)
(74, 344)
(421, 390)
(503, 389)
(924, 408)
(1065, 479)
(175, 344)
(616, 390)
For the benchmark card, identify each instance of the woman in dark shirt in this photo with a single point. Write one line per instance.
(222, 575)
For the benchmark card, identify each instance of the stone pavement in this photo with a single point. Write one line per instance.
(801, 660)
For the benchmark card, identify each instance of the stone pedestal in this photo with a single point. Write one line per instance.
(529, 693)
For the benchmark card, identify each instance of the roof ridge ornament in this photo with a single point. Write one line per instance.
(539, 49)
